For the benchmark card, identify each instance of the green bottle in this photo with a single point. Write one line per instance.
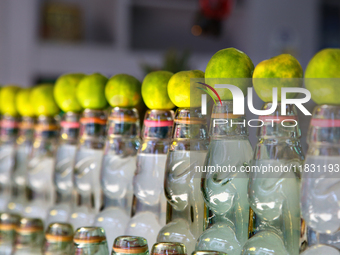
(168, 248)
(130, 245)
(208, 253)
(29, 237)
(90, 241)
(8, 224)
(58, 239)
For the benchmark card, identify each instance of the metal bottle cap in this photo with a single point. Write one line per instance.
(89, 235)
(168, 249)
(130, 245)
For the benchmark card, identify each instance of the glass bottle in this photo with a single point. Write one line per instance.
(58, 239)
(166, 248)
(24, 144)
(119, 165)
(274, 194)
(63, 169)
(90, 241)
(224, 184)
(149, 202)
(86, 174)
(8, 135)
(40, 168)
(320, 192)
(185, 209)
(8, 224)
(208, 253)
(130, 245)
(29, 237)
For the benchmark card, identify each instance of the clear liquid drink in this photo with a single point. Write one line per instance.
(274, 185)
(9, 131)
(185, 209)
(58, 240)
(224, 184)
(24, 144)
(86, 175)
(130, 245)
(119, 165)
(63, 169)
(320, 190)
(149, 204)
(29, 237)
(167, 248)
(8, 224)
(40, 168)
(90, 241)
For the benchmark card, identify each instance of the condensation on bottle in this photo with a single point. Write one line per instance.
(185, 208)
(63, 169)
(90, 241)
(225, 191)
(117, 171)
(274, 194)
(58, 239)
(149, 202)
(320, 190)
(87, 164)
(130, 245)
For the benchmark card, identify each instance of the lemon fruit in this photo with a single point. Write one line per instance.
(91, 91)
(42, 100)
(281, 71)
(155, 90)
(180, 90)
(65, 90)
(7, 100)
(23, 103)
(324, 64)
(123, 90)
(233, 64)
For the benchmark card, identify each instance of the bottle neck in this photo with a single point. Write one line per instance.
(158, 125)
(26, 129)
(224, 124)
(123, 122)
(278, 126)
(69, 132)
(190, 124)
(92, 128)
(46, 129)
(9, 128)
(324, 128)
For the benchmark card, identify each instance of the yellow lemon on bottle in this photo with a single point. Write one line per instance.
(23, 102)
(7, 100)
(42, 100)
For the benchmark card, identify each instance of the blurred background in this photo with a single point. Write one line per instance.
(42, 39)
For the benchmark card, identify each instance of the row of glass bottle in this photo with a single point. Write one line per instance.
(25, 236)
(274, 215)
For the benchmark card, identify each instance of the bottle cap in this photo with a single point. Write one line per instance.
(59, 232)
(168, 249)
(130, 245)
(30, 225)
(9, 221)
(89, 235)
(208, 253)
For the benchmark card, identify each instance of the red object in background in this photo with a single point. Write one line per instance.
(216, 9)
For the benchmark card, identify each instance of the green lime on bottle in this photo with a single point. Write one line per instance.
(7, 100)
(42, 100)
(123, 90)
(91, 92)
(155, 90)
(23, 103)
(65, 90)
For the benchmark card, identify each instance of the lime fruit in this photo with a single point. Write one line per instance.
(7, 100)
(123, 90)
(281, 71)
(65, 90)
(324, 64)
(229, 63)
(23, 103)
(91, 91)
(155, 90)
(42, 100)
(180, 90)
